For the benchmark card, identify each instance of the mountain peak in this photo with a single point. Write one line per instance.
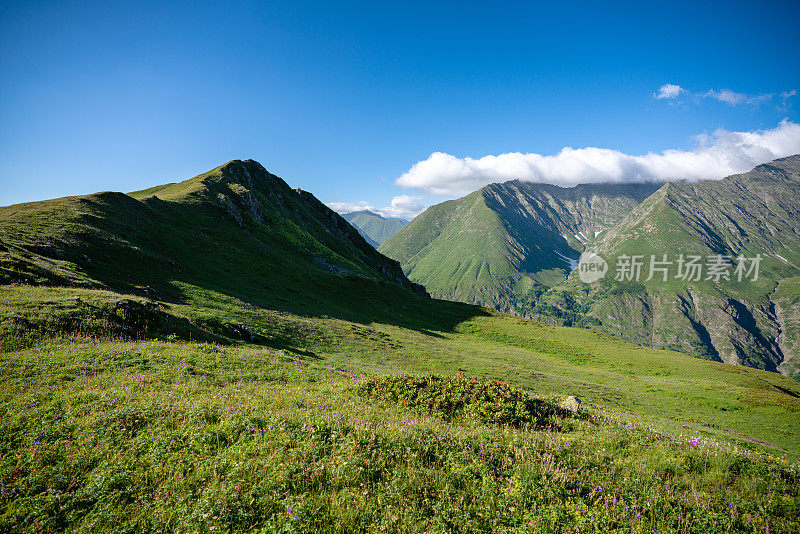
(236, 228)
(240, 164)
(244, 172)
(363, 212)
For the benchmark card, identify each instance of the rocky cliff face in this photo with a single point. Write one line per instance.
(786, 307)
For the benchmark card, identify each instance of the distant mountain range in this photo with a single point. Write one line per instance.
(503, 245)
(513, 247)
(373, 227)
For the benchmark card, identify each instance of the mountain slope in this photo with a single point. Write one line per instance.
(522, 236)
(504, 245)
(374, 228)
(236, 229)
(740, 322)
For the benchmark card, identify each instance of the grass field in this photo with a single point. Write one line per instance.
(673, 391)
(130, 436)
(273, 433)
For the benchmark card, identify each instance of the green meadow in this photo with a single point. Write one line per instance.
(129, 436)
(105, 432)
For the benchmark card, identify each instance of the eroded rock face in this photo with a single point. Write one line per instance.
(786, 308)
(331, 268)
(242, 331)
(231, 208)
(704, 324)
(250, 203)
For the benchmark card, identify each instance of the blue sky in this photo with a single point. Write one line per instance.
(344, 98)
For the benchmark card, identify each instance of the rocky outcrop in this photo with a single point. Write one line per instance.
(231, 209)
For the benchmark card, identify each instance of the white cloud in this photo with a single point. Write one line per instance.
(401, 206)
(349, 207)
(717, 155)
(734, 99)
(669, 91)
(404, 207)
(727, 96)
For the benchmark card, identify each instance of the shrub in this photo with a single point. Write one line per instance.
(481, 399)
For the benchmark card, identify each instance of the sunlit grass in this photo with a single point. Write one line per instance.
(126, 436)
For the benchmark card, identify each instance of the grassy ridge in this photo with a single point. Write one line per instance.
(236, 229)
(457, 249)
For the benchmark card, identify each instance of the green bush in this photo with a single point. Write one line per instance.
(480, 399)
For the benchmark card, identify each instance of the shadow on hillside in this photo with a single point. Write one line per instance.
(366, 302)
(192, 252)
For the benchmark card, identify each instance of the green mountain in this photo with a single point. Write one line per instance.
(236, 229)
(226, 353)
(501, 246)
(743, 322)
(373, 227)
(506, 244)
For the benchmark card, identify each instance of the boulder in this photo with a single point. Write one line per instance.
(571, 403)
